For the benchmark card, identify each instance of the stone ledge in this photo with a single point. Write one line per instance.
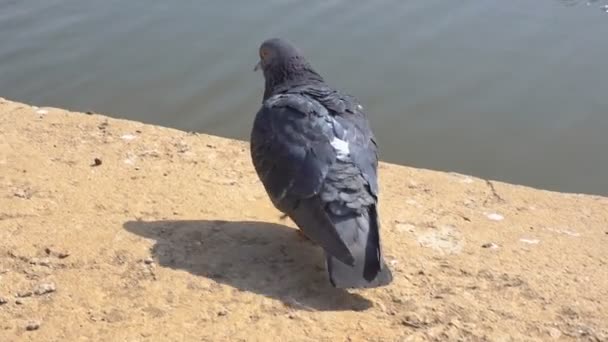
(150, 233)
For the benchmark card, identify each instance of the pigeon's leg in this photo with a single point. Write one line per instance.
(298, 230)
(302, 235)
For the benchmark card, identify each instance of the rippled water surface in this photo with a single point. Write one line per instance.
(512, 90)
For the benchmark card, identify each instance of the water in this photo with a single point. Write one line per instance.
(511, 90)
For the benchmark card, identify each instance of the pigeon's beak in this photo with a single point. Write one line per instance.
(258, 66)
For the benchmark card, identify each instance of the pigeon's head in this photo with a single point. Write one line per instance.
(284, 64)
(276, 52)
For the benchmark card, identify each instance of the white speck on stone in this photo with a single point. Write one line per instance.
(530, 241)
(341, 148)
(495, 217)
(42, 111)
(411, 202)
(461, 178)
(565, 232)
(128, 137)
(445, 240)
(129, 161)
(359, 107)
(571, 233)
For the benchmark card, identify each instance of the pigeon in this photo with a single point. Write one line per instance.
(314, 152)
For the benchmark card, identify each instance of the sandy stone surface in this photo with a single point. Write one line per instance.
(113, 230)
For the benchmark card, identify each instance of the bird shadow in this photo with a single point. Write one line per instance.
(259, 257)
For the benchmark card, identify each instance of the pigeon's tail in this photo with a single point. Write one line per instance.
(362, 236)
(314, 222)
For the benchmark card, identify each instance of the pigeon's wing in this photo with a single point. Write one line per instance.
(292, 152)
(352, 180)
(362, 144)
(290, 145)
(350, 124)
(349, 194)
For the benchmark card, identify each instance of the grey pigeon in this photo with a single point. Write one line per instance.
(313, 149)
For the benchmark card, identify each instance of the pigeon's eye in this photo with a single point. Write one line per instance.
(264, 53)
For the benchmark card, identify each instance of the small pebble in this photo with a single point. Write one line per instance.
(490, 245)
(412, 320)
(555, 333)
(3, 300)
(530, 241)
(406, 228)
(59, 254)
(41, 261)
(148, 261)
(22, 193)
(96, 162)
(32, 325)
(45, 288)
(222, 312)
(89, 112)
(18, 301)
(397, 300)
(24, 294)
